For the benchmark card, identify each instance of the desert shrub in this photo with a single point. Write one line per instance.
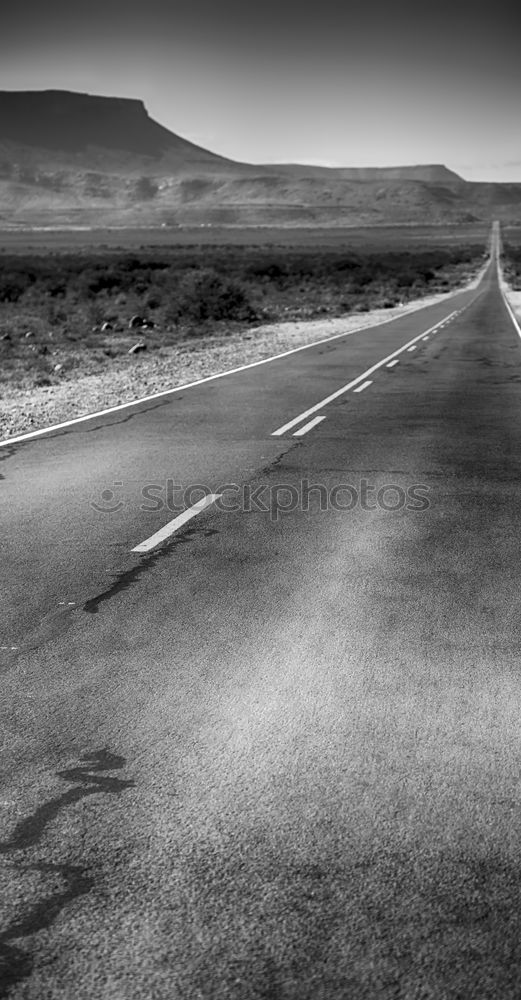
(13, 284)
(268, 271)
(56, 314)
(205, 295)
(101, 279)
(511, 259)
(154, 299)
(57, 288)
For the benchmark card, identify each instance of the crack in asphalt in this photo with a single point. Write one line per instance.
(126, 579)
(276, 464)
(115, 423)
(9, 450)
(57, 621)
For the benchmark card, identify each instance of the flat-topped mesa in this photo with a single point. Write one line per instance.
(432, 173)
(70, 122)
(428, 173)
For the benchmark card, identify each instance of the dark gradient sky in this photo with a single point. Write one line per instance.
(352, 84)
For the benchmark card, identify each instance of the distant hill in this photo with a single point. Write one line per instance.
(430, 172)
(69, 159)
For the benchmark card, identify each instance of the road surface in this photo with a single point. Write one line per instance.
(272, 753)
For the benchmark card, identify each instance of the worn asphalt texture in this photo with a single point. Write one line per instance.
(277, 757)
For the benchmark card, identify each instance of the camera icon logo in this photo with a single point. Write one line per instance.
(110, 503)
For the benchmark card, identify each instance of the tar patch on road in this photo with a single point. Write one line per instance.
(88, 777)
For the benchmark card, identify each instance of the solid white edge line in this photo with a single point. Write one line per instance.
(29, 435)
(363, 386)
(513, 316)
(308, 427)
(350, 385)
(177, 522)
(500, 281)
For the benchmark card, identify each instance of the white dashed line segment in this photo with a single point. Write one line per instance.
(350, 385)
(308, 427)
(393, 363)
(364, 385)
(177, 522)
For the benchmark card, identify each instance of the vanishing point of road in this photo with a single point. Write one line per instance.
(250, 752)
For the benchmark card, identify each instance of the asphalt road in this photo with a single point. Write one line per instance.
(278, 755)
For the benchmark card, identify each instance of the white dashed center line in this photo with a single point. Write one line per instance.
(413, 348)
(351, 385)
(307, 427)
(393, 363)
(177, 522)
(364, 385)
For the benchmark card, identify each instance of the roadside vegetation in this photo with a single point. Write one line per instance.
(511, 260)
(62, 315)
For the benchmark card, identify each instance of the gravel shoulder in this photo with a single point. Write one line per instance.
(513, 297)
(170, 367)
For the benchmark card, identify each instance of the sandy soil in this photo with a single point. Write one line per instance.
(30, 410)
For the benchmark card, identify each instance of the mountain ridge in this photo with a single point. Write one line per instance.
(78, 157)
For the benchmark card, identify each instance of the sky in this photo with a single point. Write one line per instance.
(371, 83)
